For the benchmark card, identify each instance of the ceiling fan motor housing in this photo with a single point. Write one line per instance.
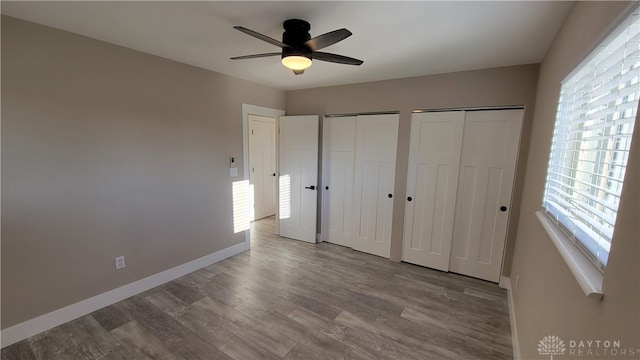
(296, 33)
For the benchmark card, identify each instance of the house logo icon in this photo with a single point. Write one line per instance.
(551, 345)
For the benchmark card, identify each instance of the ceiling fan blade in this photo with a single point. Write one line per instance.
(298, 72)
(257, 35)
(255, 56)
(335, 58)
(330, 38)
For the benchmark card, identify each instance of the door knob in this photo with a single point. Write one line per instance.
(312, 187)
(503, 208)
(274, 174)
(409, 198)
(390, 196)
(326, 188)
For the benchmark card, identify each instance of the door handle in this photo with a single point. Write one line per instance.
(503, 208)
(409, 198)
(312, 187)
(274, 174)
(326, 188)
(390, 196)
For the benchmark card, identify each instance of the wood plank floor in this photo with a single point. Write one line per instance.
(286, 299)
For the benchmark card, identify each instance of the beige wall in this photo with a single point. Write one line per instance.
(548, 299)
(106, 152)
(515, 85)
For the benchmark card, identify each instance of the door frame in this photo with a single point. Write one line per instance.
(261, 111)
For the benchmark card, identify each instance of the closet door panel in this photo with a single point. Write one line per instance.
(338, 171)
(487, 171)
(434, 159)
(375, 163)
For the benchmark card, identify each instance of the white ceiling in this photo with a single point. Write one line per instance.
(395, 39)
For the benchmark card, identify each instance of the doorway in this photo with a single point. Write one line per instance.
(262, 165)
(248, 110)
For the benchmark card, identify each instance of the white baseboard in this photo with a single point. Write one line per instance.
(505, 283)
(50, 320)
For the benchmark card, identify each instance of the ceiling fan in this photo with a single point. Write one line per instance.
(298, 48)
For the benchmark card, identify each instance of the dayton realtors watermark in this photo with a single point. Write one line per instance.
(553, 345)
(594, 348)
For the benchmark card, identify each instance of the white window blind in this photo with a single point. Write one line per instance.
(591, 141)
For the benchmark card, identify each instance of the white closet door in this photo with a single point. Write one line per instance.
(298, 164)
(262, 165)
(376, 143)
(487, 169)
(339, 136)
(434, 161)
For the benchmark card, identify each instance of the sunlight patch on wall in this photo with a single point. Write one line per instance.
(242, 205)
(285, 196)
(252, 205)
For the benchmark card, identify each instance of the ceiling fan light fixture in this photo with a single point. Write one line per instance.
(298, 48)
(296, 62)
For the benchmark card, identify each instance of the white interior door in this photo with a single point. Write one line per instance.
(262, 165)
(338, 139)
(375, 169)
(487, 169)
(434, 161)
(298, 177)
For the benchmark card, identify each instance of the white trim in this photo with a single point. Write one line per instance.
(505, 282)
(515, 345)
(50, 320)
(587, 275)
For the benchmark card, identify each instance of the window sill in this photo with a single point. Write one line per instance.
(587, 275)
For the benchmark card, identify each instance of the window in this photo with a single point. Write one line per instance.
(590, 147)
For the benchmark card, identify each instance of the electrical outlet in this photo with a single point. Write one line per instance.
(120, 262)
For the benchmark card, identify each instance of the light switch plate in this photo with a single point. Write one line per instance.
(120, 262)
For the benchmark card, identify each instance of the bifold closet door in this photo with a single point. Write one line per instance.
(434, 161)
(487, 171)
(459, 188)
(375, 167)
(339, 134)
